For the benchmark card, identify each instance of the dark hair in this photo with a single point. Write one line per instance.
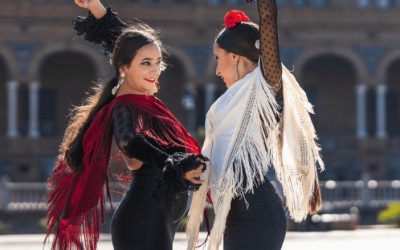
(240, 40)
(126, 47)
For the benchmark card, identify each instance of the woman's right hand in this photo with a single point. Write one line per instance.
(94, 6)
(194, 175)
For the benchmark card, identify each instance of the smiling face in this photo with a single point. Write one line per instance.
(143, 71)
(225, 65)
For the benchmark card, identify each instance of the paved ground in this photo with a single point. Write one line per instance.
(362, 239)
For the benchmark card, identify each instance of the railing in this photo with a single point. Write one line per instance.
(335, 194)
(371, 193)
(32, 196)
(16, 196)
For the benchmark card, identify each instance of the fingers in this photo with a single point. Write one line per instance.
(195, 181)
(193, 176)
(189, 176)
(197, 172)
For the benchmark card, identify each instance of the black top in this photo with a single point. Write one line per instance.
(171, 162)
(103, 31)
(135, 145)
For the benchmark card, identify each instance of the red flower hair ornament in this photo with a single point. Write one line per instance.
(234, 17)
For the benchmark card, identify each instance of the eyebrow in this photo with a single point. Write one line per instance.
(144, 59)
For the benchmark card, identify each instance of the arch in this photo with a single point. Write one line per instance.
(187, 63)
(11, 63)
(65, 76)
(330, 81)
(392, 81)
(351, 56)
(385, 64)
(173, 82)
(100, 61)
(4, 77)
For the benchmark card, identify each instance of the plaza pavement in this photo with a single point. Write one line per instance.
(361, 239)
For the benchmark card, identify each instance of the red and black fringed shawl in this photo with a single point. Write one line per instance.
(76, 200)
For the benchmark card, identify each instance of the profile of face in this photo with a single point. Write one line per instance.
(141, 75)
(226, 62)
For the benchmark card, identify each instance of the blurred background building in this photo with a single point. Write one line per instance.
(345, 53)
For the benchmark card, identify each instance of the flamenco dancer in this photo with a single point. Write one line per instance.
(262, 121)
(163, 158)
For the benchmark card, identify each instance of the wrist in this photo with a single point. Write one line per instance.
(98, 10)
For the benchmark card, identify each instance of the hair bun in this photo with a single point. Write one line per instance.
(234, 17)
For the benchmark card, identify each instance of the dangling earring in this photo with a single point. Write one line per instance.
(120, 82)
(236, 72)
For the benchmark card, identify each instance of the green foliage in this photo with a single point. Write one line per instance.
(391, 215)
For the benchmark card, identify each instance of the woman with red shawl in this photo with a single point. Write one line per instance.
(163, 158)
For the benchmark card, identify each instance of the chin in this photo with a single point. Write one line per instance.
(228, 84)
(152, 91)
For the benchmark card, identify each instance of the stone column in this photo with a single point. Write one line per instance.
(188, 102)
(361, 102)
(209, 96)
(12, 109)
(33, 130)
(381, 91)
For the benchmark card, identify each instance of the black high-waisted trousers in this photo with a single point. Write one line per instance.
(261, 226)
(140, 222)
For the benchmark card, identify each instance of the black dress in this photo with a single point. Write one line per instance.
(261, 225)
(141, 221)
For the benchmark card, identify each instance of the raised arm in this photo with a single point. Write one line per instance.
(102, 26)
(271, 63)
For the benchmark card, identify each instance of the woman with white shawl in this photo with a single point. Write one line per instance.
(248, 132)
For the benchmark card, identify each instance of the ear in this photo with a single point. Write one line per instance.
(235, 58)
(123, 69)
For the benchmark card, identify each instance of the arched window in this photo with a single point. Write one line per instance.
(393, 99)
(330, 81)
(64, 77)
(3, 96)
(172, 82)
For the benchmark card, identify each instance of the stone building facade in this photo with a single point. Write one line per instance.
(346, 53)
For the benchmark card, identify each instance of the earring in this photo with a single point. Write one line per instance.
(120, 82)
(257, 44)
(236, 72)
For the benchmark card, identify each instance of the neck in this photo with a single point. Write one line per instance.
(247, 67)
(244, 67)
(127, 89)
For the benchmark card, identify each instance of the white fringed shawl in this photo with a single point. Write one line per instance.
(244, 139)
